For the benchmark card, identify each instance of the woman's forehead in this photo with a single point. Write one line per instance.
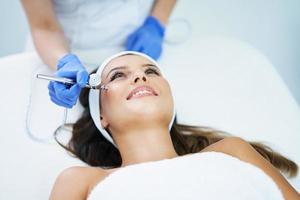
(125, 61)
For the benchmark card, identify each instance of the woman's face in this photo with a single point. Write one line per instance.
(137, 96)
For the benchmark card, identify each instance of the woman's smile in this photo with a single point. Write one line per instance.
(142, 91)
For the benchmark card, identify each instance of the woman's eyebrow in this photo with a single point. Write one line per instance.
(116, 68)
(123, 67)
(149, 65)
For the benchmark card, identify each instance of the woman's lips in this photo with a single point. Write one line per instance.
(141, 91)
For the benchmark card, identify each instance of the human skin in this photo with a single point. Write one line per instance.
(138, 138)
(146, 119)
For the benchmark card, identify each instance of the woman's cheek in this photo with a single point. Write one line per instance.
(115, 91)
(111, 99)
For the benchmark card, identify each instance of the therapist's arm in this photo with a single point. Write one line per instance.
(162, 9)
(48, 36)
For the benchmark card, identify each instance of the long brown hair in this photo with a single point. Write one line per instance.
(90, 146)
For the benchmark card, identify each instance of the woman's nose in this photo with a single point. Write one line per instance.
(139, 77)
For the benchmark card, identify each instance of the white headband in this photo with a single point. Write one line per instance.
(94, 99)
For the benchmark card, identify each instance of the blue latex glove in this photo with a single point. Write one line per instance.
(148, 38)
(69, 67)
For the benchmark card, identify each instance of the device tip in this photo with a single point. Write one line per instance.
(103, 87)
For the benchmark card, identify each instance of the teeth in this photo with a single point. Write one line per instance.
(142, 92)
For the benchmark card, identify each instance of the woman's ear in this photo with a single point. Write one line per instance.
(103, 121)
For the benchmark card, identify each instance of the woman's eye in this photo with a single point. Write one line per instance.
(116, 75)
(152, 71)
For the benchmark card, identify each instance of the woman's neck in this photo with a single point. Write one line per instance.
(138, 146)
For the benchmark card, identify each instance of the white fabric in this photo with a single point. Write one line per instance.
(95, 24)
(94, 95)
(218, 82)
(208, 175)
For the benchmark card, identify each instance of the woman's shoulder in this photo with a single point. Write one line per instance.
(84, 173)
(234, 146)
(76, 182)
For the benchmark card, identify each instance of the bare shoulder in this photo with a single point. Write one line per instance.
(75, 182)
(243, 150)
(234, 146)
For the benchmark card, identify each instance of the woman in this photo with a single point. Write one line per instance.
(134, 116)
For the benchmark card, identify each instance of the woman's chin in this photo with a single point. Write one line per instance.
(143, 103)
(148, 107)
(151, 110)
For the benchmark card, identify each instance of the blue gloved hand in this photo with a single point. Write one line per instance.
(69, 67)
(148, 38)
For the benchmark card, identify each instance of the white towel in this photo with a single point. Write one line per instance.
(208, 175)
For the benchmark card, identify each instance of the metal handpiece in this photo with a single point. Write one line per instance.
(69, 81)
